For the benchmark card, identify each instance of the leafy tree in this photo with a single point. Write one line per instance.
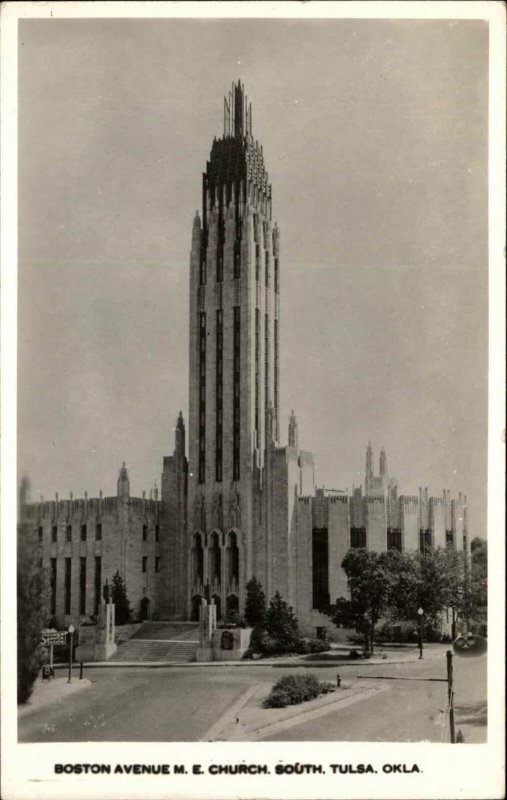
(122, 611)
(433, 580)
(479, 580)
(255, 604)
(281, 624)
(33, 594)
(370, 578)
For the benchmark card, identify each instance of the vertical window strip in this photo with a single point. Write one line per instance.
(266, 361)
(98, 583)
(53, 586)
(236, 393)
(257, 369)
(219, 395)
(266, 270)
(68, 584)
(82, 586)
(276, 365)
(277, 283)
(202, 396)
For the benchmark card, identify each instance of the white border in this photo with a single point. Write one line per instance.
(472, 771)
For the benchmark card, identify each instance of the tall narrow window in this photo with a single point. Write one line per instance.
(320, 568)
(221, 236)
(98, 584)
(276, 369)
(68, 533)
(157, 532)
(202, 397)
(257, 368)
(145, 532)
(277, 280)
(236, 393)
(53, 586)
(68, 584)
(266, 268)
(257, 262)
(54, 533)
(145, 562)
(98, 531)
(357, 537)
(237, 258)
(266, 361)
(83, 533)
(41, 533)
(157, 563)
(82, 585)
(219, 395)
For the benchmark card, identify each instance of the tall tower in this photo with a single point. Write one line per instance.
(383, 463)
(234, 365)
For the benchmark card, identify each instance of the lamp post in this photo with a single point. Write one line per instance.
(71, 642)
(420, 611)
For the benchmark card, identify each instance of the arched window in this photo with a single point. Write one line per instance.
(215, 559)
(232, 559)
(197, 558)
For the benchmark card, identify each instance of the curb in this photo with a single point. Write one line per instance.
(262, 662)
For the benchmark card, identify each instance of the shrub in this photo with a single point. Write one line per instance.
(122, 611)
(282, 625)
(293, 689)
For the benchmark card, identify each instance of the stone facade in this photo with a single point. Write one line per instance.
(242, 505)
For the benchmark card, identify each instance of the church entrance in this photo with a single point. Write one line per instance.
(232, 604)
(196, 605)
(145, 609)
(217, 601)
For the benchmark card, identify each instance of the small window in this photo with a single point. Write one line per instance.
(54, 533)
(98, 531)
(145, 532)
(83, 533)
(41, 533)
(157, 564)
(145, 561)
(68, 536)
(157, 532)
(40, 563)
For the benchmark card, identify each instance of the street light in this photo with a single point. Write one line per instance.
(71, 630)
(420, 611)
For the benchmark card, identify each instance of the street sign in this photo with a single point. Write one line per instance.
(54, 637)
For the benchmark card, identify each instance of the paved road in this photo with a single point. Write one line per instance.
(138, 704)
(409, 711)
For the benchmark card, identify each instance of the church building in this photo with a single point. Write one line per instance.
(237, 503)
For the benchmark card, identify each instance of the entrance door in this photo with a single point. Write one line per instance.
(145, 608)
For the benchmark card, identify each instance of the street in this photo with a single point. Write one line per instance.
(183, 704)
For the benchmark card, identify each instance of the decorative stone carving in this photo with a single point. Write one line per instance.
(200, 513)
(217, 516)
(234, 510)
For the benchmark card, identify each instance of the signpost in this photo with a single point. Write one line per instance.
(50, 637)
(71, 642)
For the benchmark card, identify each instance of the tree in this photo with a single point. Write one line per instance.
(434, 581)
(33, 594)
(281, 623)
(370, 577)
(122, 611)
(255, 604)
(479, 580)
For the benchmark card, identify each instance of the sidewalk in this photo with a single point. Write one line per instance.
(332, 658)
(45, 693)
(248, 720)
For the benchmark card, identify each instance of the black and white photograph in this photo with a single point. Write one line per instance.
(252, 291)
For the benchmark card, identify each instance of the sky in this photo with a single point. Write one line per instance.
(375, 139)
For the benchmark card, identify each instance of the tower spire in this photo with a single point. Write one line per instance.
(293, 430)
(123, 485)
(383, 462)
(369, 461)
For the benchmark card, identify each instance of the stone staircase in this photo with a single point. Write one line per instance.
(161, 641)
